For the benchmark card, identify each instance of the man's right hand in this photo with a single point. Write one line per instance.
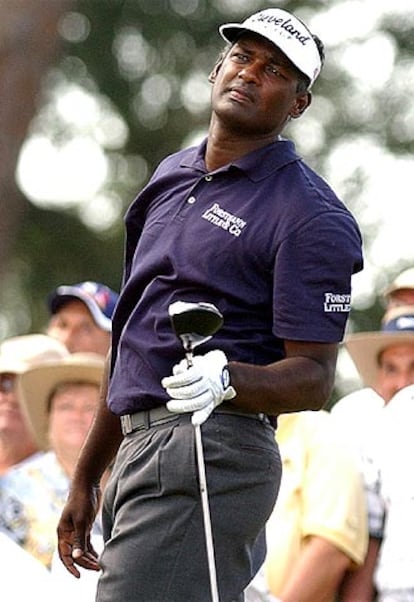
(74, 528)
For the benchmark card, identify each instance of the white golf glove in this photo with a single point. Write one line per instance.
(200, 388)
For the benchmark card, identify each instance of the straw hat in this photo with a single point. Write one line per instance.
(38, 383)
(365, 347)
(21, 352)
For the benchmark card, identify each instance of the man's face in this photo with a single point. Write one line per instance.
(255, 88)
(12, 421)
(402, 296)
(74, 326)
(396, 370)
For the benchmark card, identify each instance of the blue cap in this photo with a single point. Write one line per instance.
(402, 322)
(99, 299)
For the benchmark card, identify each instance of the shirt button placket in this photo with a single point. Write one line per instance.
(192, 199)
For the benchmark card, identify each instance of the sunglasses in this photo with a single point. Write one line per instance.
(7, 382)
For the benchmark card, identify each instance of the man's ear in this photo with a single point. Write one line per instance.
(214, 72)
(302, 102)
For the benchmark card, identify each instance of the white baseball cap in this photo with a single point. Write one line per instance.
(404, 280)
(284, 30)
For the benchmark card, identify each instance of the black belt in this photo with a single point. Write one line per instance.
(147, 418)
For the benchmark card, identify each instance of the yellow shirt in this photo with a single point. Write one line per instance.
(321, 494)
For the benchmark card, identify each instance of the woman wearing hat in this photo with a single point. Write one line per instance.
(59, 399)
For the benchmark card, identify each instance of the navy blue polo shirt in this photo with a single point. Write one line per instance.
(264, 238)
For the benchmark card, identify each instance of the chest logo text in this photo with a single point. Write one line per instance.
(224, 220)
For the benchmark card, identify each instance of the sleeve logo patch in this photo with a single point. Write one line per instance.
(337, 303)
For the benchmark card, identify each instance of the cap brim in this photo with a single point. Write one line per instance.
(396, 287)
(365, 348)
(231, 31)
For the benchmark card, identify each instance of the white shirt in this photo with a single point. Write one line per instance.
(69, 589)
(356, 414)
(389, 478)
(22, 576)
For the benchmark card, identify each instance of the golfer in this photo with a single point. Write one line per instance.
(240, 222)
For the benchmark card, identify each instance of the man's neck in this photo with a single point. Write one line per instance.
(224, 146)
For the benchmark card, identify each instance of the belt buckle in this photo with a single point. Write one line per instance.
(126, 423)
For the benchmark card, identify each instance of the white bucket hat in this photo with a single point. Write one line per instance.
(19, 353)
(287, 32)
(38, 383)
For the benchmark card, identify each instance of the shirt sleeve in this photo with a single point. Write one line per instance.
(333, 495)
(312, 282)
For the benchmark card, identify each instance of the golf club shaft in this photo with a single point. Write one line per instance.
(208, 532)
(206, 514)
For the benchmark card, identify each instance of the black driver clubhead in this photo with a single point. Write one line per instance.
(194, 323)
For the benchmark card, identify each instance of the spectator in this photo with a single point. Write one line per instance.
(318, 529)
(60, 398)
(399, 293)
(17, 354)
(385, 361)
(390, 486)
(81, 316)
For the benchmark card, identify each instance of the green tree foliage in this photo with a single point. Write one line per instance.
(150, 60)
(67, 254)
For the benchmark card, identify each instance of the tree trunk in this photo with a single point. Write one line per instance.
(29, 45)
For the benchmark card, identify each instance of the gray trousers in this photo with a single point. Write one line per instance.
(152, 515)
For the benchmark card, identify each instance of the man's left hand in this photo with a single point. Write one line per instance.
(199, 388)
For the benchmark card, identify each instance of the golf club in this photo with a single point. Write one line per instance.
(194, 324)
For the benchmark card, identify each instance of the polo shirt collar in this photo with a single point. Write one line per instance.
(257, 165)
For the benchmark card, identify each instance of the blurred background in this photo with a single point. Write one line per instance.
(93, 93)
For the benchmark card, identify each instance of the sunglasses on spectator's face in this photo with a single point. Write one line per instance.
(7, 382)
